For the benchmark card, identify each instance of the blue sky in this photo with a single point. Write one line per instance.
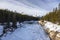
(30, 7)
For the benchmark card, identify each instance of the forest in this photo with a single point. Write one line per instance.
(53, 16)
(10, 16)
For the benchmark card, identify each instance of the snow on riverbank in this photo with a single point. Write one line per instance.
(28, 32)
(1, 29)
(50, 26)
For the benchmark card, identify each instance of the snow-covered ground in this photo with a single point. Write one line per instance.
(1, 29)
(27, 32)
(51, 26)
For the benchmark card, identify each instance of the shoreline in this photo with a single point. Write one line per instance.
(51, 30)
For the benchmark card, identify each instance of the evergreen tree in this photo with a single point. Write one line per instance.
(14, 21)
(59, 6)
(53, 16)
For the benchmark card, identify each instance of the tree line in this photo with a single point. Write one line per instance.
(53, 16)
(7, 15)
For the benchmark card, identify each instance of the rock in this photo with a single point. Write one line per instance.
(47, 30)
(42, 22)
(52, 35)
(57, 36)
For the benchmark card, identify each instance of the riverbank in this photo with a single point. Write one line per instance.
(52, 29)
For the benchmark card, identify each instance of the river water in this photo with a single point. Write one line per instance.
(30, 30)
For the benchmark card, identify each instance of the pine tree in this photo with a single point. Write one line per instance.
(59, 6)
(8, 20)
(14, 21)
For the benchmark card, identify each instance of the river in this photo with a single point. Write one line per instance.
(30, 30)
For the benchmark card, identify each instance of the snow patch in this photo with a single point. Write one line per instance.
(1, 29)
(52, 26)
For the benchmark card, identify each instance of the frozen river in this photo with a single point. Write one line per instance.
(29, 31)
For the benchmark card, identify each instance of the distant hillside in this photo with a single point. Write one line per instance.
(7, 15)
(53, 16)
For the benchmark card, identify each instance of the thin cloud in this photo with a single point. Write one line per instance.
(30, 7)
(20, 7)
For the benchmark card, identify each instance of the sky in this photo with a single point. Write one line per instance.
(30, 7)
